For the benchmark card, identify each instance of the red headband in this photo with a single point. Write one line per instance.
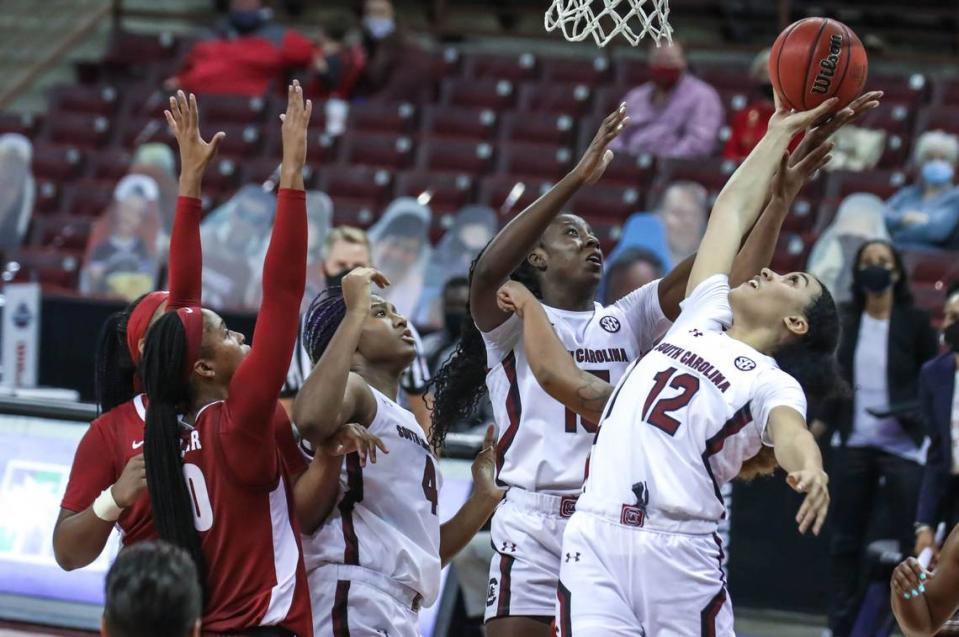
(192, 320)
(139, 322)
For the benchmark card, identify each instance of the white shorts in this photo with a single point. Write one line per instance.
(527, 535)
(622, 581)
(351, 601)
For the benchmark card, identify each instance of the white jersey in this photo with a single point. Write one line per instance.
(542, 445)
(386, 520)
(683, 420)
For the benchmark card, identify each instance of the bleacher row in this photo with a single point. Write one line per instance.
(490, 122)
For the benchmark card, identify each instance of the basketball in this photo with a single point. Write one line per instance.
(815, 59)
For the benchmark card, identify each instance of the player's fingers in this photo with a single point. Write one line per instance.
(182, 103)
(490, 437)
(913, 565)
(812, 160)
(194, 112)
(821, 514)
(379, 279)
(170, 122)
(215, 142)
(379, 443)
(307, 112)
(175, 107)
(372, 449)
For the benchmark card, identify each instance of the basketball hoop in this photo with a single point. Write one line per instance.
(605, 19)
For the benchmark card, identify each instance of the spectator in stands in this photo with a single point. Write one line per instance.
(675, 114)
(401, 250)
(244, 54)
(684, 207)
(927, 212)
(939, 406)
(438, 346)
(152, 590)
(338, 65)
(630, 270)
(885, 341)
(121, 258)
(158, 162)
(859, 219)
(396, 67)
(17, 190)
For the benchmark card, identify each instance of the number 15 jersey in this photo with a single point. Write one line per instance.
(683, 420)
(542, 445)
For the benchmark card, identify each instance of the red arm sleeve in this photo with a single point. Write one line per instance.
(256, 385)
(186, 254)
(296, 49)
(92, 470)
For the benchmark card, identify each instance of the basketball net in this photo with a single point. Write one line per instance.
(633, 19)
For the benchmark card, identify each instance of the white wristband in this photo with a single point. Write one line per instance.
(105, 507)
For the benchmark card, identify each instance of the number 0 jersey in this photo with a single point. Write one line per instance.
(542, 445)
(386, 519)
(683, 420)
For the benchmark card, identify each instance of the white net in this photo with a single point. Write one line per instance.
(605, 19)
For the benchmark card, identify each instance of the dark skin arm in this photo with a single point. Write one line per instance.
(933, 596)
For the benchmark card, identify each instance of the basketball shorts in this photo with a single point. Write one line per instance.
(351, 601)
(620, 581)
(527, 535)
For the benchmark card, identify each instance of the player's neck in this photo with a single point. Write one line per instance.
(760, 339)
(568, 297)
(879, 306)
(387, 382)
(204, 396)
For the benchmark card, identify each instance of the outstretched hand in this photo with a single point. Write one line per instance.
(816, 136)
(183, 117)
(815, 484)
(791, 121)
(598, 156)
(296, 121)
(793, 175)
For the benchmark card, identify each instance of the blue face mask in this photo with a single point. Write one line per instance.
(937, 172)
(379, 27)
(246, 21)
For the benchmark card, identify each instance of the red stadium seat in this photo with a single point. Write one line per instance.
(913, 89)
(932, 266)
(93, 100)
(82, 131)
(321, 148)
(882, 183)
(942, 117)
(544, 161)
(496, 190)
(224, 176)
(88, 197)
(55, 269)
(110, 165)
(608, 99)
(141, 48)
(632, 72)
(357, 186)
(515, 68)
(478, 124)
(447, 62)
(240, 141)
(791, 253)
(712, 172)
(606, 203)
(547, 97)
(456, 156)
(260, 169)
(57, 163)
(541, 128)
(801, 217)
(591, 71)
(448, 191)
(64, 232)
(497, 95)
(48, 197)
(217, 110)
(381, 151)
(892, 117)
(930, 297)
(141, 129)
(381, 117)
(25, 124)
(350, 212)
(148, 100)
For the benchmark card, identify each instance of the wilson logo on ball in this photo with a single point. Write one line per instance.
(827, 66)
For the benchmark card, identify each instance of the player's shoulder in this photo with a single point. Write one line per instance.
(132, 412)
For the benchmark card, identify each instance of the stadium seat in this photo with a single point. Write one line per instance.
(608, 233)
(606, 203)
(88, 197)
(240, 141)
(942, 117)
(478, 124)
(628, 170)
(541, 128)
(381, 117)
(141, 48)
(48, 197)
(447, 62)
(631, 72)
(930, 297)
(321, 148)
(378, 150)
(92, 100)
(56, 162)
(456, 156)
(514, 68)
(548, 97)
(892, 117)
(358, 186)
(913, 89)
(497, 95)
(224, 176)
(217, 110)
(608, 99)
(932, 266)
(882, 183)
(587, 71)
(148, 100)
(495, 190)
(448, 191)
(140, 129)
(63, 232)
(350, 212)
(110, 164)
(711, 172)
(801, 217)
(82, 131)
(260, 169)
(56, 269)
(790, 254)
(544, 161)
(25, 124)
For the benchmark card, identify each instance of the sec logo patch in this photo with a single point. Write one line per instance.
(610, 324)
(744, 364)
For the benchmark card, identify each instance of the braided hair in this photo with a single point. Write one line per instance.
(460, 385)
(323, 317)
(114, 371)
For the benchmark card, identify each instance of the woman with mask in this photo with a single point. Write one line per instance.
(926, 213)
(885, 341)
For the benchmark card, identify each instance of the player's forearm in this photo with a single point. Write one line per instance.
(913, 616)
(798, 452)
(79, 538)
(316, 491)
(186, 253)
(757, 252)
(460, 529)
(318, 406)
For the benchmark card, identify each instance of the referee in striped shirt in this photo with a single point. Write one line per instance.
(344, 249)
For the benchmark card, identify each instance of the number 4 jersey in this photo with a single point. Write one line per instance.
(683, 420)
(542, 445)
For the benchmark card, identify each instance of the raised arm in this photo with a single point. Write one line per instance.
(552, 365)
(332, 395)
(739, 203)
(518, 238)
(923, 601)
(798, 454)
(186, 256)
(255, 387)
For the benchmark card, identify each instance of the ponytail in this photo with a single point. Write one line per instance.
(162, 371)
(459, 386)
(115, 372)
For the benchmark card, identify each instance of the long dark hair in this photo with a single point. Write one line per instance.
(460, 385)
(901, 292)
(114, 372)
(170, 394)
(323, 317)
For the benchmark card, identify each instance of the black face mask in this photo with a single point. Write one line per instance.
(336, 280)
(950, 337)
(246, 21)
(875, 278)
(453, 322)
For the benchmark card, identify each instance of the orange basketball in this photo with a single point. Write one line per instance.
(815, 59)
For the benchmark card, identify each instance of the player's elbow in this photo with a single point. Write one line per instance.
(67, 559)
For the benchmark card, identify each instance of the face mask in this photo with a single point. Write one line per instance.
(379, 27)
(937, 172)
(336, 280)
(453, 321)
(875, 278)
(246, 21)
(950, 337)
(664, 77)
